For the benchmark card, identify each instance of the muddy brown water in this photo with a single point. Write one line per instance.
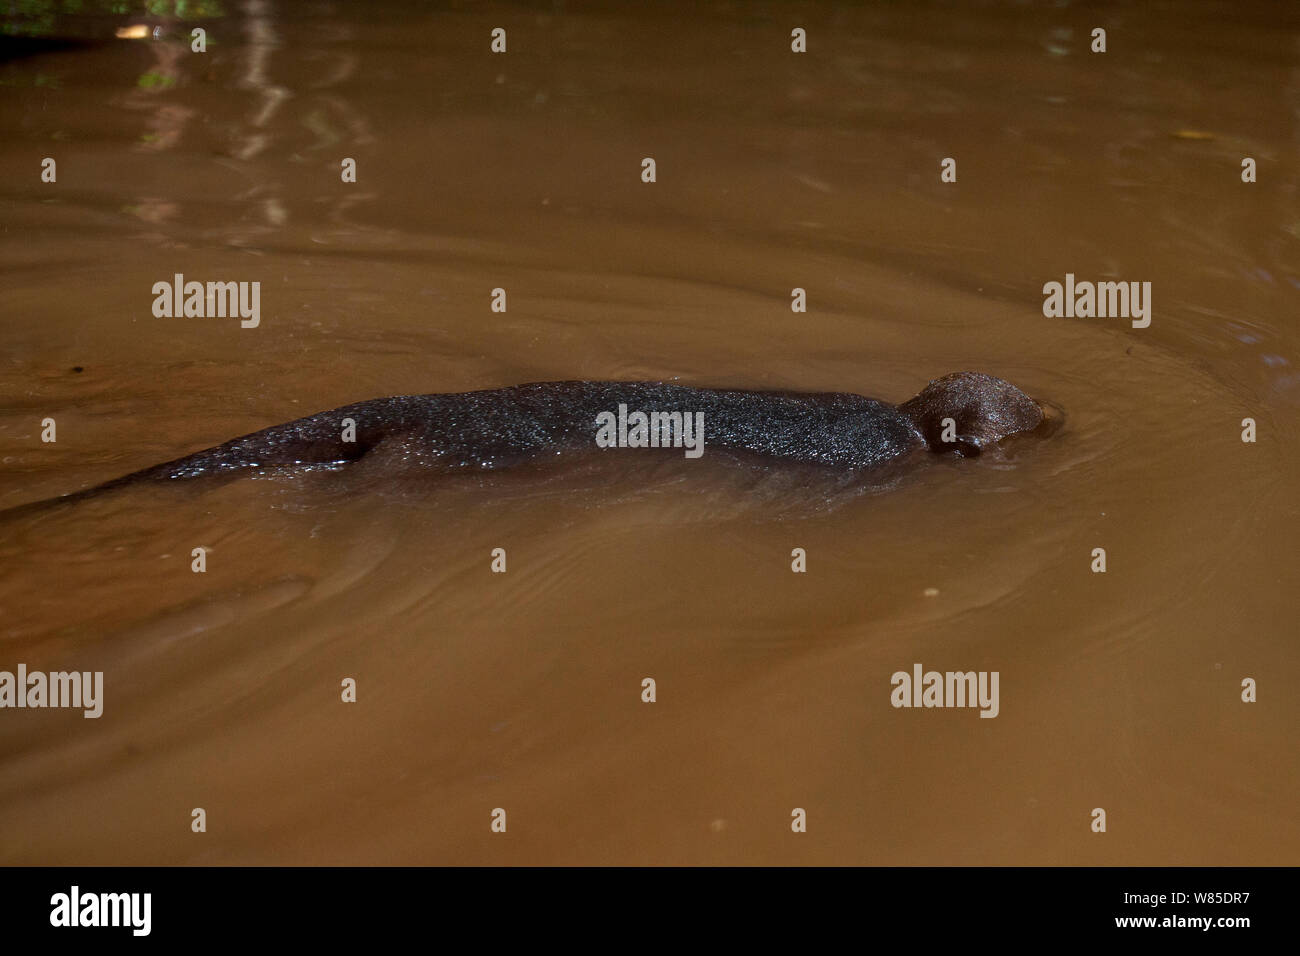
(522, 690)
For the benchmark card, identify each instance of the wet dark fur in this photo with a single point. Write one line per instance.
(501, 427)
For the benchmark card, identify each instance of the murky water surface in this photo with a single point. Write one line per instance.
(523, 690)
